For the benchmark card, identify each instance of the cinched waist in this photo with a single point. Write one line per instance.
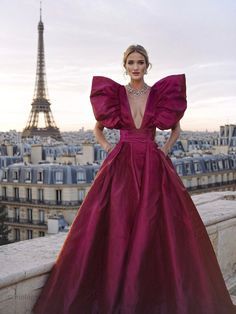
(135, 135)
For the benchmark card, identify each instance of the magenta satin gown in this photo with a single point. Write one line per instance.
(137, 244)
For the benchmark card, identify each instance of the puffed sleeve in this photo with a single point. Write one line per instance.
(105, 101)
(171, 101)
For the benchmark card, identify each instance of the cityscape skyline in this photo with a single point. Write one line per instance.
(195, 39)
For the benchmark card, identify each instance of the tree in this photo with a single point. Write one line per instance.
(3, 227)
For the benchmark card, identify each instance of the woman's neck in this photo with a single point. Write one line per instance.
(137, 84)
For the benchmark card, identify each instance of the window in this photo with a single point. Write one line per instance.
(188, 168)
(179, 169)
(17, 214)
(4, 175)
(220, 164)
(59, 177)
(40, 195)
(208, 165)
(214, 165)
(41, 216)
(197, 167)
(4, 192)
(226, 162)
(41, 234)
(30, 215)
(15, 175)
(40, 176)
(58, 196)
(17, 234)
(16, 194)
(81, 194)
(80, 176)
(30, 234)
(28, 175)
(29, 195)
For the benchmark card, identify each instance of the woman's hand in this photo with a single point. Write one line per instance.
(175, 132)
(165, 150)
(98, 132)
(108, 147)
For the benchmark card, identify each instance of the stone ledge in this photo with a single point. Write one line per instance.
(29, 258)
(210, 197)
(213, 208)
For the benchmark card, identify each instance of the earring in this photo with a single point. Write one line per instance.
(145, 72)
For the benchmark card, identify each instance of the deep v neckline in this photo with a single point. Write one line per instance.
(130, 112)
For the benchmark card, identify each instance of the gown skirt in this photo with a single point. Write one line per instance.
(137, 244)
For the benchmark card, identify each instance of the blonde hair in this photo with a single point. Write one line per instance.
(136, 48)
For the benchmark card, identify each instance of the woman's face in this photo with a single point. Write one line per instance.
(136, 66)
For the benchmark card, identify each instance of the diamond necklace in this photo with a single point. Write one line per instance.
(137, 92)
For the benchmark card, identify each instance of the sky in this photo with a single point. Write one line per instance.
(84, 38)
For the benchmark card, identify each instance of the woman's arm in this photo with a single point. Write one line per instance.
(174, 135)
(98, 132)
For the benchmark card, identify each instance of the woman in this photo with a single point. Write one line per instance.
(138, 244)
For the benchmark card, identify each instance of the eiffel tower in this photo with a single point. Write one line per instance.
(41, 104)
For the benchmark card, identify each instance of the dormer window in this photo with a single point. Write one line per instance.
(179, 169)
(197, 167)
(40, 176)
(188, 168)
(59, 177)
(4, 177)
(15, 175)
(214, 165)
(226, 164)
(220, 164)
(28, 176)
(80, 176)
(208, 166)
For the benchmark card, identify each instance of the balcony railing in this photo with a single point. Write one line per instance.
(40, 202)
(26, 221)
(211, 185)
